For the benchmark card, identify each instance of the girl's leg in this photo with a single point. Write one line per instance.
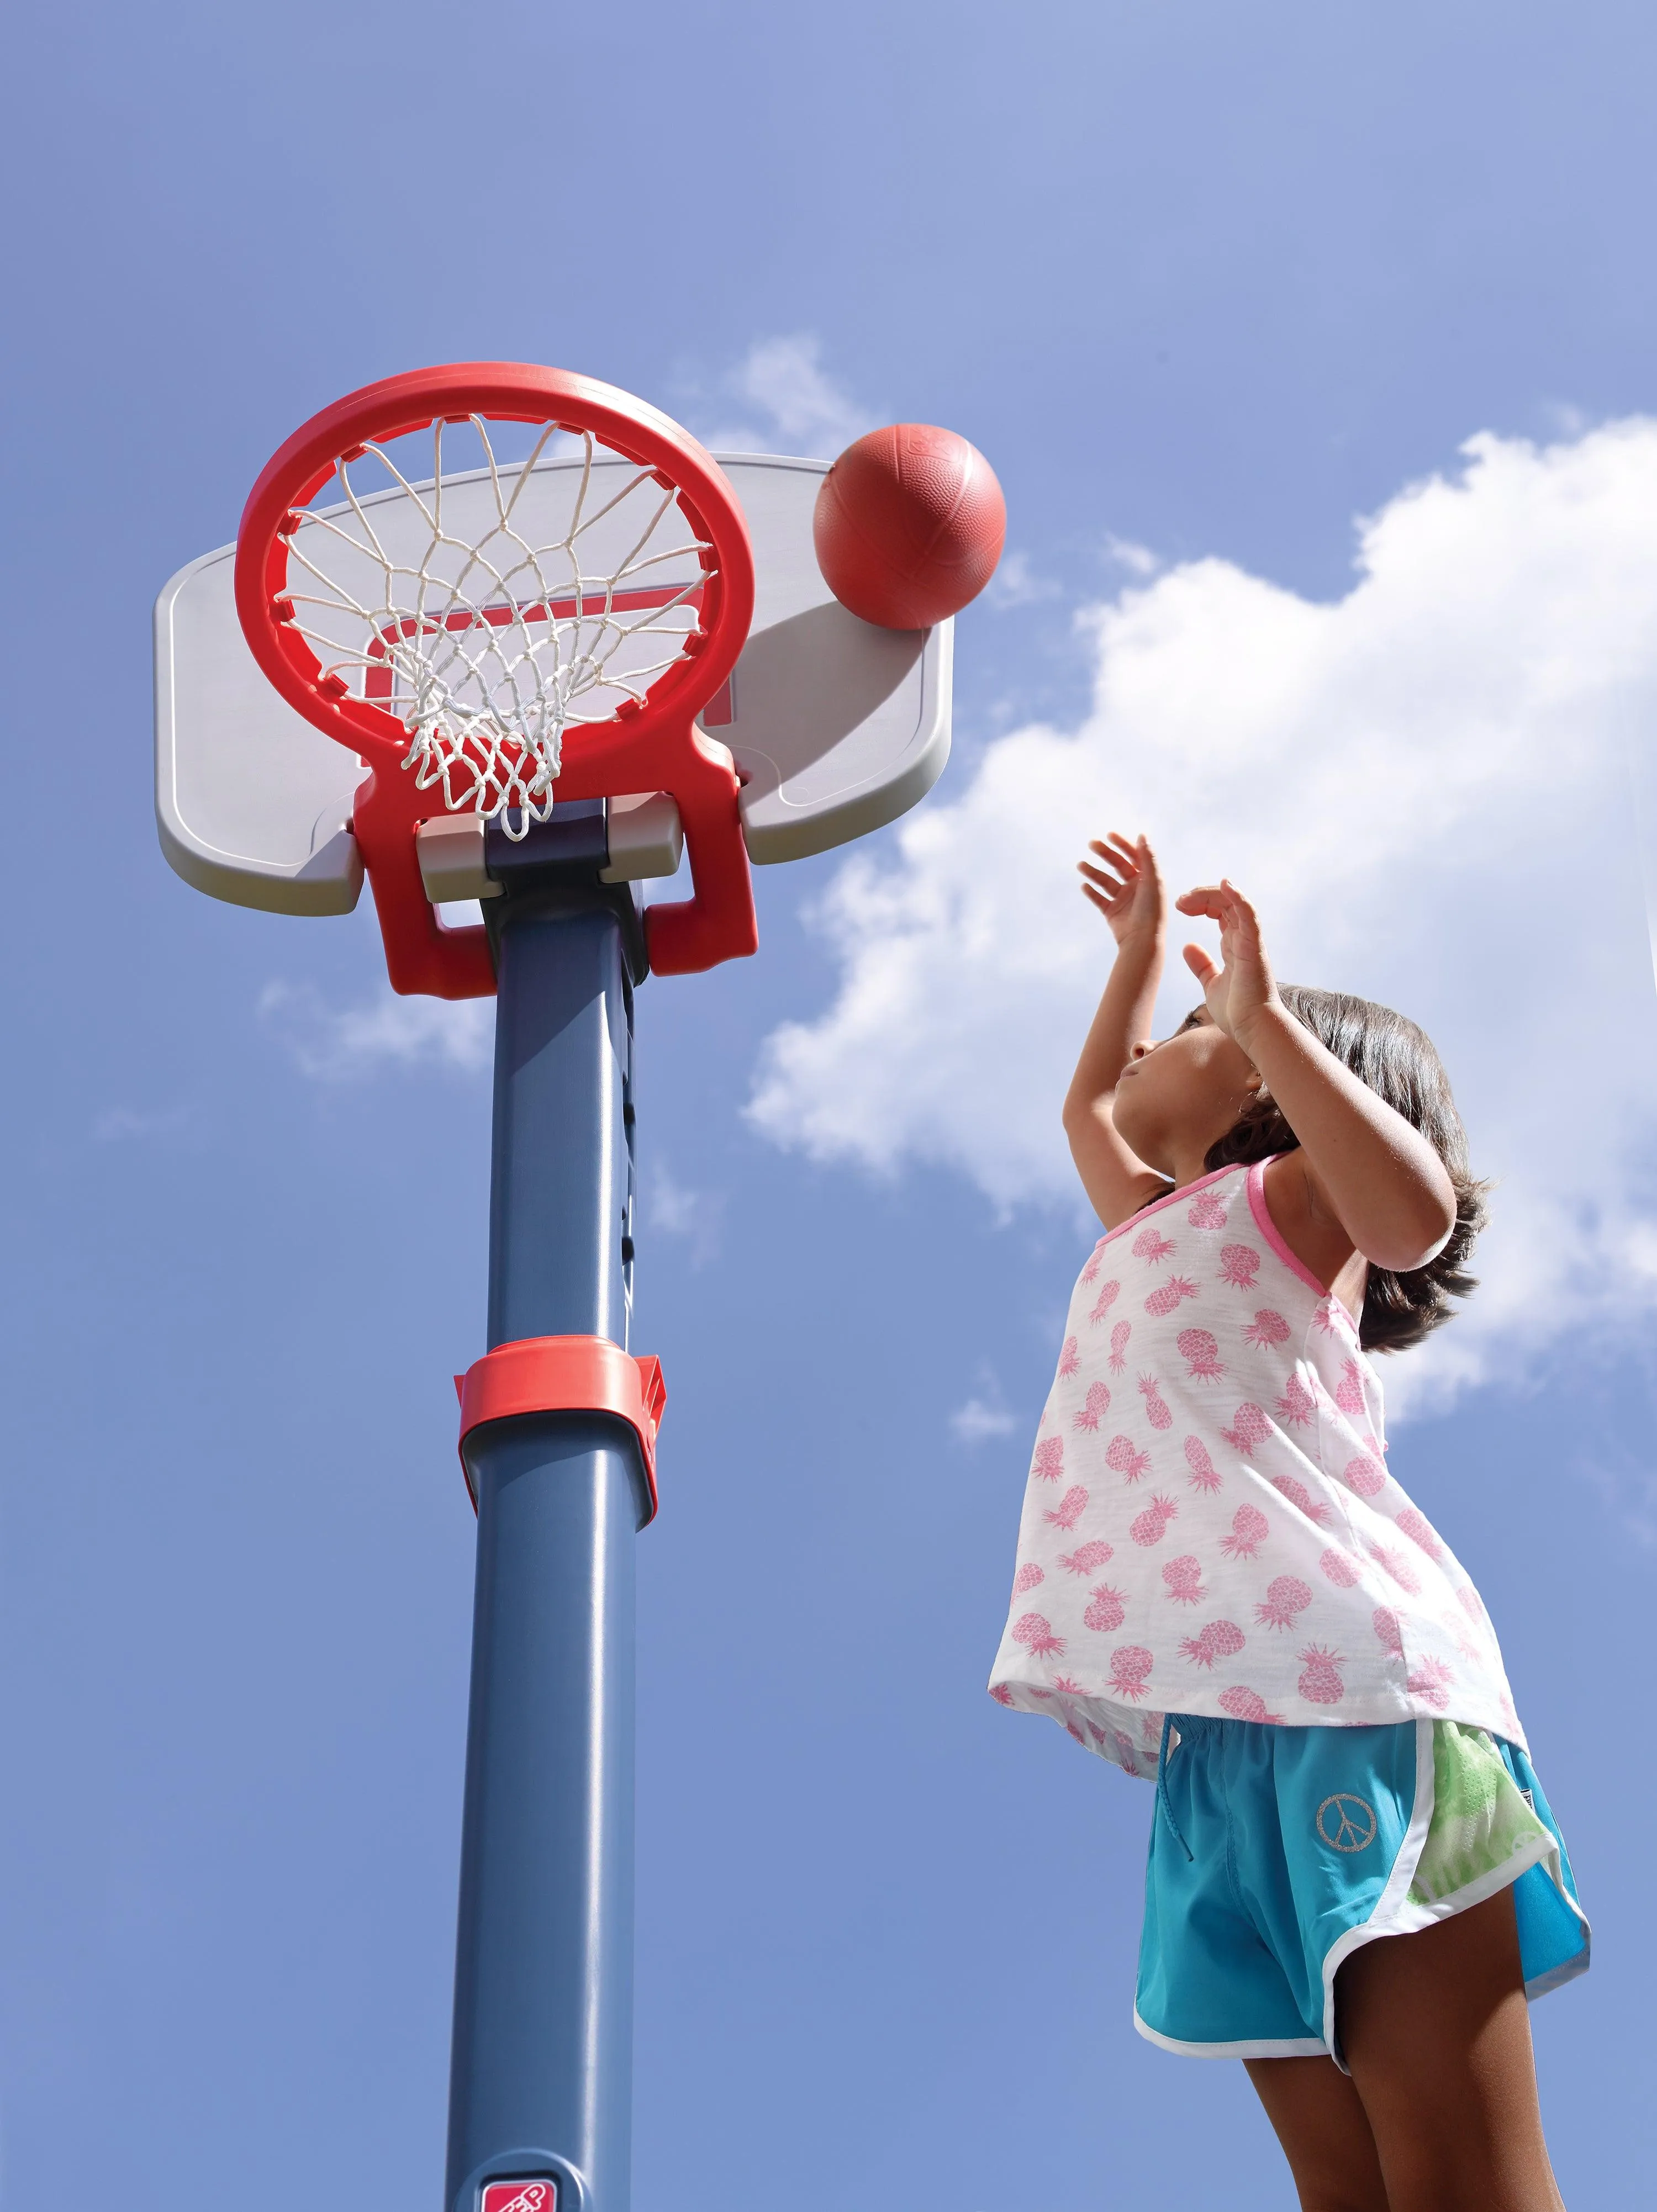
(1433, 2027)
(1324, 2132)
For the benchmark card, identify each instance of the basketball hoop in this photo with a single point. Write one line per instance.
(503, 636)
(497, 588)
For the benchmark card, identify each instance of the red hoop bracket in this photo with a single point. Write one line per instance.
(565, 1374)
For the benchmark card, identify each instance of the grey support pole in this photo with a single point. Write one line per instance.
(542, 2067)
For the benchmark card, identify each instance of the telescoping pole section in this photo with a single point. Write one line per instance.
(540, 2088)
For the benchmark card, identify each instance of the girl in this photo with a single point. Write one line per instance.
(1220, 1586)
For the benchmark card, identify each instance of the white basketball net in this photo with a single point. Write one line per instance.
(495, 607)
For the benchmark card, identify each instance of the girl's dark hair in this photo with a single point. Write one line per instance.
(1398, 1063)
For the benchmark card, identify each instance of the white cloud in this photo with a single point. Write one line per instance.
(676, 1210)
(789, 404)
(1424, 785)
(1016, 584)
(116, 1122)
(978, 1419)
(1137, 559)
(344, 1044)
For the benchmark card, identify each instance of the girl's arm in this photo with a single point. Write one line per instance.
(1361, 1169)
(1126, 888)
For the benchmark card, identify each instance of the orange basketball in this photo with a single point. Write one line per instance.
(909, 525)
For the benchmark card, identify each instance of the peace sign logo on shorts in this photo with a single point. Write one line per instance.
(1345, 1823)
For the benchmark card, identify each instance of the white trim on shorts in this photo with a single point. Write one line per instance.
(1298, 2046)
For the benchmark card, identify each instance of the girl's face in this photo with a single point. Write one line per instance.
(1178, 1097)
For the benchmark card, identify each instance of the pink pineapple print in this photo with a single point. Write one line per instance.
(1107, 1608)
(1090, 1272)
(1203, 1474)
(1220, 1639)
(1267, 1329)
(1157, 1405)
(1246, 1705)
(1070, 1509)
(1124, 1750)
(1117, 1362)
(1430, 1681)
(1286, 1600)
(1206, 1212)
(1184, 1578)
(1152, 1246)
(1001, 1694)
(1098, 1404)
(1301, 1498)
(1131, 1667)
(1470, 1602)
(1332, 1318)
(1086, 1557)
(1349, 1391)
(1201, 1353)
(1340, 1567)
(1321, 1684)
(1063, 1683)
(1121, 1453)
(1365, 1475)
(1035, 1632)
(1069, 1360)
(1252, 1428)
(1388, 1633)
(1249, 1530)
(1456, 1630)
(1048, 1464)
(1165, 1301)
(1297, 1406)
(1029, 1576)
(1395, 1565)
(1151, 1526)
(1239, 1265)
(1419, 1529)
(1108, 1294)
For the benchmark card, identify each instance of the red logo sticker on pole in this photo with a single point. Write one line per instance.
(540, 2195)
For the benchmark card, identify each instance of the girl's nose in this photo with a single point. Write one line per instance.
(1140, 1050)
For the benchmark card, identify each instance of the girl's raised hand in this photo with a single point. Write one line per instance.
(1123, 883)
(1242, 987)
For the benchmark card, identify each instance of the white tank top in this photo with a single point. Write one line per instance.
(1208, 1525)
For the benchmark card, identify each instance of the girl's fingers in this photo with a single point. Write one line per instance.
(1105, 858)
(1097, 876)
(1102, 903)
(1240, 922)
(1208, 899)
(1121, 852)
(1202, 965)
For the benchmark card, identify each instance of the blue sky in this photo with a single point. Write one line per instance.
(1209, 286)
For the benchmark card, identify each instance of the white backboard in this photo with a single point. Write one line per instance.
(836, 726)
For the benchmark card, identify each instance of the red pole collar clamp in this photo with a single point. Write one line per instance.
(564, 1374)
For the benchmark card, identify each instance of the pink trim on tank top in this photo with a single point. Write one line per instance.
(1156, 1205)
(1268, 1227)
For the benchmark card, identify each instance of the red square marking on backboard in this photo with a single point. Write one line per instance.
(539, 2195)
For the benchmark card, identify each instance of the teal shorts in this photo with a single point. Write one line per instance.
(1276, 1852)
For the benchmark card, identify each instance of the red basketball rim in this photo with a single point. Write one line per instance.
(507, 391)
